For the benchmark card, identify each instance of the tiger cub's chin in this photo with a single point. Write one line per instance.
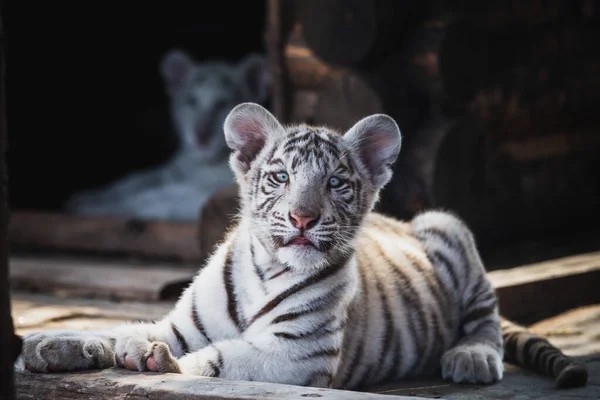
(302, 259)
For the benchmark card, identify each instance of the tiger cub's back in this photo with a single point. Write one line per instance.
(404, 316)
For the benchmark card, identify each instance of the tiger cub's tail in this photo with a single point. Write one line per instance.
(534, 352)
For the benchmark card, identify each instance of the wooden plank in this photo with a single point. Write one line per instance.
(34, 312)
(216, 217)
(576, 332)
(40, 312)
(174, 241)
(529, 293)
(517, 383)
(121, 384)
(93, 278)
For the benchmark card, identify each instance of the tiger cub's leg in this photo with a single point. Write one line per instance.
(128, 345)
(239, 359)
(477, 356)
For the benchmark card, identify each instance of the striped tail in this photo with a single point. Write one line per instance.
(534, 352)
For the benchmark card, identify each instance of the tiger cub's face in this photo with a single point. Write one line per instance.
(305, 189)
(202, 94)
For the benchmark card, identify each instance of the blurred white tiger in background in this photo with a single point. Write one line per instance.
(313, 288)
(201, 95)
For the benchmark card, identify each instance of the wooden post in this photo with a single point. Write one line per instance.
(10, 344)
(275, 37)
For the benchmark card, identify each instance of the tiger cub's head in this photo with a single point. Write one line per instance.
(306, 189)
(202, 94)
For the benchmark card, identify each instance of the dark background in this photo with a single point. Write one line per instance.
(86, 101)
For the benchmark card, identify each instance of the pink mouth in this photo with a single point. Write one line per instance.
(202, 138)
(300, 241)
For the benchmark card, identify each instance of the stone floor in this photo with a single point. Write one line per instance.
(577, 332)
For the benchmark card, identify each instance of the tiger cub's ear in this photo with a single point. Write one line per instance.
(376, 140)
(175, 68)
(248, 127)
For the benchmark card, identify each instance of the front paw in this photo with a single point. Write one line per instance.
(472, 364)
(59, 352)
(138, 354)
(206, 362)
(161, 359)
(132, 352)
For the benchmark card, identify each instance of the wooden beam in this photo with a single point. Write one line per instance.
(121, 384)
(35, 312)
(122, 281)
(532, 292)
(276, 34)
(163, 240)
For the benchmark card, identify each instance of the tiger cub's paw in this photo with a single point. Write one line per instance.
(139, 354)
(64, 351)
(161, 359)
(472, 364)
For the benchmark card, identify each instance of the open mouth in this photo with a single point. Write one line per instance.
(202, 138)
(300, 241)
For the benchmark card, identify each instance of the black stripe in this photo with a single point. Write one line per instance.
(313, 335)
(257, 270)
(180, 339)
(448, 266)
(318, 332)
(281, 272)
(551, 362)
(321, 275)
(478, 313)
(215, 367)
(358, 352)
(218, 365)
(539, 352)
(452, 244)
(321, 353)
(256, 184)
(359, 195)
(388, 328)
(510, 346)
(438, 290)
(544, 361)
(291, 316)
(275, 161)
(319, 303)
(196, 318)
(526, 351)
(476, 291)
(394, 369)
(230, 290)
(443, 301)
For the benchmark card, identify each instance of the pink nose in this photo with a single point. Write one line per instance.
(303, 221)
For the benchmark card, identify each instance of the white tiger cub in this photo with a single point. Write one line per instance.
(201, 95)
(311, 288)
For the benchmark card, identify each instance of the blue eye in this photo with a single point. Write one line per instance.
(335, 182)
(281, 176)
